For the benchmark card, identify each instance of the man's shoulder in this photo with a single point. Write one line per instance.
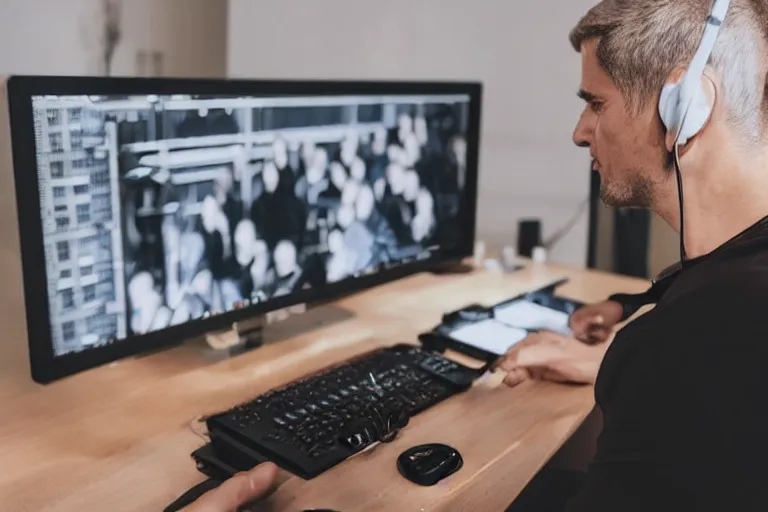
(711, 285)
(712, 306)
(720, 309)
(719, 320)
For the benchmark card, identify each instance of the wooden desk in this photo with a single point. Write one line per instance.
(118, 438)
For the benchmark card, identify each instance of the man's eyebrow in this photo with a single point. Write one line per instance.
(586, 95)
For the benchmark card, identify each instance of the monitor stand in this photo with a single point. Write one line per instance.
(243, 336)
(247, 334)
(453, 267)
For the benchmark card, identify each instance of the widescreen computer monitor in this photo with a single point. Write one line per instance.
(154, 210)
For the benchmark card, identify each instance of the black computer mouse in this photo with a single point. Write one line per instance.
(427, 464)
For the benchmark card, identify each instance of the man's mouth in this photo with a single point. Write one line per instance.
(595, 165)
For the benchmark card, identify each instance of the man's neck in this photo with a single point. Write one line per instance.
(720, 201)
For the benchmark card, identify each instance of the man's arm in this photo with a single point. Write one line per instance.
(595, 323)
(235, 492)
(630, 302)
(685, 417)
(552, 356)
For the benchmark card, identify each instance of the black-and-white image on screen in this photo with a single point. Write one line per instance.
(162, 209)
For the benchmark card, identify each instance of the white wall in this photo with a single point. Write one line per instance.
(61, 36)
(520, 50)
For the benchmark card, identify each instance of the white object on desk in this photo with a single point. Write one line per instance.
(524, 314)
(539, 254)
(479, 254)
(489, 335)
(509, 259)
(509, 256)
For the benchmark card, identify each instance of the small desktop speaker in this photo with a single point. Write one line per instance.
(528, 236)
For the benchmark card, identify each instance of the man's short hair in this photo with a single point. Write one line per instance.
(639, 42)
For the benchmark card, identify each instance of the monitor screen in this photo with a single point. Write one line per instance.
(162, 209)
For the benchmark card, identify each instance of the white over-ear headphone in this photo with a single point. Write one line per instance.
(683, 107)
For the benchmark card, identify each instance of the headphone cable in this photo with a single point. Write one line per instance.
(680, 202)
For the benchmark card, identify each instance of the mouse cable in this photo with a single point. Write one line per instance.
(192, 495)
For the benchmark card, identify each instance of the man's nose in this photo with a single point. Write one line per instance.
(582, 133)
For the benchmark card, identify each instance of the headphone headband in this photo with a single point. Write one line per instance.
(689, 85)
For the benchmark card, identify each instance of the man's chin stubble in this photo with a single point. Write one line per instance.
(638, 195)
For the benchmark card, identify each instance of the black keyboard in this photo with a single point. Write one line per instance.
(310, 425)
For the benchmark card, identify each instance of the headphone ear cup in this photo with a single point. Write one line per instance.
(697, 117)
(698, 112)
(670, 96)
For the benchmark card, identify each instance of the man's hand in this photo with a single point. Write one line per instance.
(594, 323)
(551, 356)
(237, 491)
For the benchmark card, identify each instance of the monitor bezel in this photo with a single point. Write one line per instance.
(44, 364)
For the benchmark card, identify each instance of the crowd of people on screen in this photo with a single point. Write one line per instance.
(343, 209)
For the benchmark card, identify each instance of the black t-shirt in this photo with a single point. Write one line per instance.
(684, 393)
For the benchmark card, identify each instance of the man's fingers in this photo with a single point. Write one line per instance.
(598, 334)
(538, 356)
(582, 325)
(506, 363)
(576, 322)
(592, 334)
(536, 372)
(508, 360)
(528, 362)
(552, 375)
(515, 376)
(238, 490)
(593, 331)
(531, 346)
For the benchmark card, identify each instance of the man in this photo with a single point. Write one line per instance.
(287, 270)
(225, 193)
(682, 387)
(215, 230)
(377, 160)
(278, 214)
(237, 491)
(369, 240)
